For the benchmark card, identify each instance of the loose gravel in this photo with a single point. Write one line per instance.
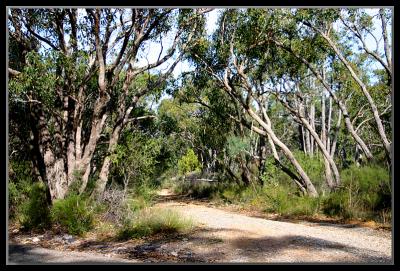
(248, 239)
(220, 236)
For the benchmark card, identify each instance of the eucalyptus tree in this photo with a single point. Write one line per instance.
(220, 132)
(238, 64)
(360, 25)
(81, 78)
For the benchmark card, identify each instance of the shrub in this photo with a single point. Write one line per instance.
(143, 196)
(13, 199)
(282, 199)
(336, 204)
(19, 187)
(231, 194)
(152, 221)
(74, 214)
(272, 174)
(189, 163)
(203, 190)
(365, 193)
(34, 211)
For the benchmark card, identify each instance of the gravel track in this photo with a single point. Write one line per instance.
(23, 254)
(242, 238)
(223, 236)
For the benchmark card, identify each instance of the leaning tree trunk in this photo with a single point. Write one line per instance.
(337, 128)
(278, 162)
(319, 142)
(371, 102)
(341, 105)
(322, 148)
(307, 182)
(307, 133)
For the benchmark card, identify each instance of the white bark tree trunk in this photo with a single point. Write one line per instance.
(307, 182)
(363, 87)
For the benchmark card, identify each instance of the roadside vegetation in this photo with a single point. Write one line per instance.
(286, 111)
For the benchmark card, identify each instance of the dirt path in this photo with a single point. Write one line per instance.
(220, 236)
(229, 237)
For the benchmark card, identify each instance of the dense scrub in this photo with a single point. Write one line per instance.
(365, 194)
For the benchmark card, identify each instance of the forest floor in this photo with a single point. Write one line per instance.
(222, 235)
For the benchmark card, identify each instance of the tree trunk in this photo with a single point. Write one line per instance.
(105, 169)
(54, 167)
(322, 148)
(309, 186)
(333, 147)
(371, 102)
(262, 155)
(308, 138)
(312, 122)
(98, 121)
(328, 138)
(328, 173)
(342, 107)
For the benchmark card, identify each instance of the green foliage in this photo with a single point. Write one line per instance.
(272, 174)
(27, 198)
(189, 163)
(34, 211)
(283, 200)
(314, 167)
(142, 197)
(231, 194)
(365, 193)
(152, 221)
(203, 190)
(73, 188)
(20, 180)
(237, 145)
(38, 76)
(135, 159)
(74, 214)
(13, 198)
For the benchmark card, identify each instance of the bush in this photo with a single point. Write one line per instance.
(365, 193)
(74, 214)
(13, 199)
(152, 221)
(285, 201)
(231, 193)
(203, 190)
(143, 196)
(19, 187)
(189, 163)
(34, 211)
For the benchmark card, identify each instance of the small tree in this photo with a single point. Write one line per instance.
(189, 163)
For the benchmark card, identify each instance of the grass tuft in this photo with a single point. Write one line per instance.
(151, 221)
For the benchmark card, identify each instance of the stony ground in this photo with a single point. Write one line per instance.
(220, 236)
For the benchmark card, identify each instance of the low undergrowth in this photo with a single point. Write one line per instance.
(148, 222)
(364, 194)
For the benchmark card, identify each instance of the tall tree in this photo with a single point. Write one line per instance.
(91, 62)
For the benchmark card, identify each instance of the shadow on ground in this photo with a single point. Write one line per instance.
(269, 248)
(22, 254)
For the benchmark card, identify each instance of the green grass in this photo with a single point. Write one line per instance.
(148, 222)
(74, 214)
(365, 194)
